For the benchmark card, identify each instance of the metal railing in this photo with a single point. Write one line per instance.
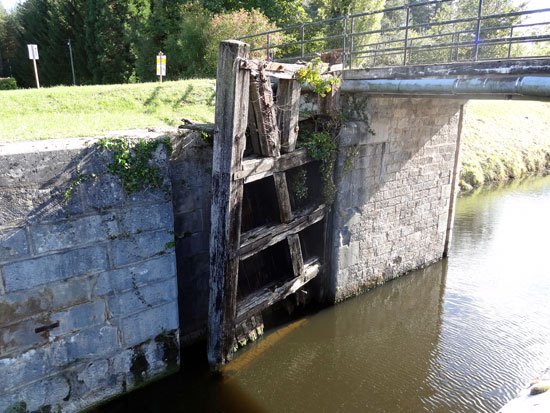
(391, 37)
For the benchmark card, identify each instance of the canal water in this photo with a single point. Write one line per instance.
(463, 335)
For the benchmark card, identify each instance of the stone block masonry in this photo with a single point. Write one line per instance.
(391, 212)
(191, 173)
(88, 287)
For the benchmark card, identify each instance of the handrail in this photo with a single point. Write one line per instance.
(466, 38)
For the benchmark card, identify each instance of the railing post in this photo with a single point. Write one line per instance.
(351, 43)
(510, 43)
(478, 29)
(451, 48)
(267, 46)
(302, 41)
(344, 41)
(407, 34)
(457, 46)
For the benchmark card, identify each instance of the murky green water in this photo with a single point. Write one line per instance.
(463, 335)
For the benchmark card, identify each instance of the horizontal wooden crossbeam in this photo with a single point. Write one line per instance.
(262, 167)
(260, 238)
(272, 69)
(203, 127)
(258, 301)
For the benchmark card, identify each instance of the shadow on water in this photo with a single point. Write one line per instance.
(194, 389)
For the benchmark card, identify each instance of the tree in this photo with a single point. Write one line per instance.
(114, 30)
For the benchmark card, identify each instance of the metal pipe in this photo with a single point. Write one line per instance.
(506, 87)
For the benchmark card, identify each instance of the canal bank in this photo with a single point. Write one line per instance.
(502, 141)
(454, 336)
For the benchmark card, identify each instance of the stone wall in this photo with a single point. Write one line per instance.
(88, 297)
(391, 212)
(191, 172)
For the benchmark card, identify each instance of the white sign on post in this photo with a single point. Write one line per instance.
(33, 55)
(161, 65)
(33, 51)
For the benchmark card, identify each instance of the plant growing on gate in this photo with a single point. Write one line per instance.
(314, 74)
(321, 146)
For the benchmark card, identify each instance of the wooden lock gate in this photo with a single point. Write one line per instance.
(245, 103)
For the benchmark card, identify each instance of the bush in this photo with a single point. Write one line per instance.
(7, 83)
(234, 25)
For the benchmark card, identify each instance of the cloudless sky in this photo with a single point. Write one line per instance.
(533, 4)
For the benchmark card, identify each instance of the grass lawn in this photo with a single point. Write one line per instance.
(58, 112)
(501, 140)
(504, 140)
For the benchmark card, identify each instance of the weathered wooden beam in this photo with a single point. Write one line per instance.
(272, 69)
(256, 302)
(262, 167)
(261, 98)
(232, 88)
(253, 129)
(260, 238)
(204, 127)
(283, 197)
(288, 113)
(296, 256)
(285, 210)
(330, 104)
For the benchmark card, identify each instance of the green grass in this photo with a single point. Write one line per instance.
(59, 112)
(504, 140)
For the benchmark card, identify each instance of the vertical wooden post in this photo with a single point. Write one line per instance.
(330, 105)
(288, 103)
(232, 94)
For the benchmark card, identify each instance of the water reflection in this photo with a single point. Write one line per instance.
(371, 353)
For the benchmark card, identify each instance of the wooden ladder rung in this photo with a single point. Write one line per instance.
(258, 301)
(260, 238)
(261, 167)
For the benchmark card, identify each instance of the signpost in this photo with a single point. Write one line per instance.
(161, 65)
(33, 55)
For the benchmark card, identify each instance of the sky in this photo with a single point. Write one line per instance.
(534, 4)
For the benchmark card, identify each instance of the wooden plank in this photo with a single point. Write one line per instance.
(288, 113)
(260, 238)
(285, 209)
(264, 109)
(283, 197)
(295, 250)
(258, 301)
(204, 127)
(330, 105)
(232, 88)
(258, 168)
(253, 130)
(272, 69)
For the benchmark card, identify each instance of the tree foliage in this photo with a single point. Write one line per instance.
(115, 41)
